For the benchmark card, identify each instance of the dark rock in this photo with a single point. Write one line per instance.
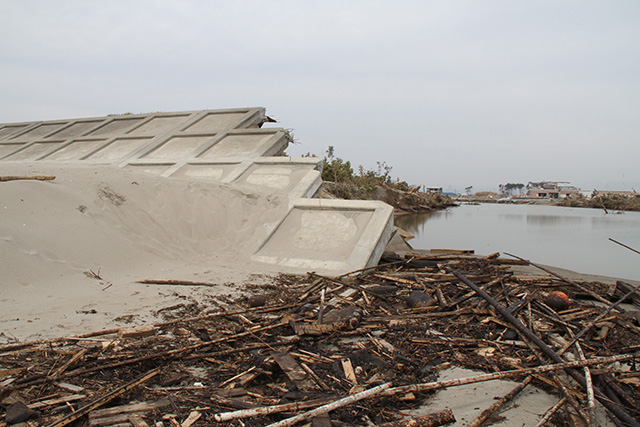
(419, 299)
(19, 412)
(257, 301)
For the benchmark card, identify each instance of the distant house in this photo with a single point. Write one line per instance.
(551, 190)
(433, 190)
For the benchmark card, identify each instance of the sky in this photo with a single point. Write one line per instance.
(447, 93)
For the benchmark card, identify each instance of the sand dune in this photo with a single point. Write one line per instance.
(126, 226)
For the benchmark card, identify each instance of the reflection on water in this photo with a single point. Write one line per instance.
(572, 238)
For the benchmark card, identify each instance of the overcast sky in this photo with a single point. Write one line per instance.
(447, 93)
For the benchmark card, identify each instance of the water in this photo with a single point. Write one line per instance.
(572, 238)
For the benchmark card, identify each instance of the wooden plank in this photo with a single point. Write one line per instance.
(289, 365)
(128, 409)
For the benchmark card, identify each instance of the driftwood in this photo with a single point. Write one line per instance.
(507, 374)
(618, 411)
(551, 412)
(484, 415)
(596, 320)
(174, 282)
(571, 282)
(104, 400)
(372, 392)
(299, 352)
(267, 410)
(34, 178)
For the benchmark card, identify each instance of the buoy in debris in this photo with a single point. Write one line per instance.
(557, 300)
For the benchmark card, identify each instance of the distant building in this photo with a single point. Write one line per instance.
(433, 190)
(551, 190)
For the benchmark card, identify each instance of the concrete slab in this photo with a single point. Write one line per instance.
(298, 177)
(329, 235)
(223, 147)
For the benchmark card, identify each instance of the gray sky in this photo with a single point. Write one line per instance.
(448, 93)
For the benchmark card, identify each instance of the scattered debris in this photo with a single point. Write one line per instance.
(359, 349)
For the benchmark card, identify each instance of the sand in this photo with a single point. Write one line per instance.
(123, 226)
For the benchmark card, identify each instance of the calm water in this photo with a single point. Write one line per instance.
(573, 238)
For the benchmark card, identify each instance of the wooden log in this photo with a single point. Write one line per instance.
(372, 392)
(267, 410)
(33, 178)
(430, 420)
(453, 251)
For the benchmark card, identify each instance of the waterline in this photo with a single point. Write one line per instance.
(573, 238)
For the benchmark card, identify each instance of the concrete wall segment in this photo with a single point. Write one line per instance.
(226, 147)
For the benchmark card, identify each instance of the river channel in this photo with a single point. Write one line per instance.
(572, 238)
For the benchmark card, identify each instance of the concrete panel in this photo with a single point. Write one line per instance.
(299, 177)
(216, 122)
(6, 131)
(178, 147)
(117, 126)
(210, 171)
(246, 145)
(118, 150)
(76, 150)
(159, 125)
(329, 235)
(6, 149)
(38, 131)
(156, 169)
(76, 129)
(35, 150)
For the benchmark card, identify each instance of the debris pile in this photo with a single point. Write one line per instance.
(358, 349)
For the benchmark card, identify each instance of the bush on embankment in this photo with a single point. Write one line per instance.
(613, 202)
(340, 181)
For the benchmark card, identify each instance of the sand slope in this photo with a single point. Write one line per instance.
(126, 226)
